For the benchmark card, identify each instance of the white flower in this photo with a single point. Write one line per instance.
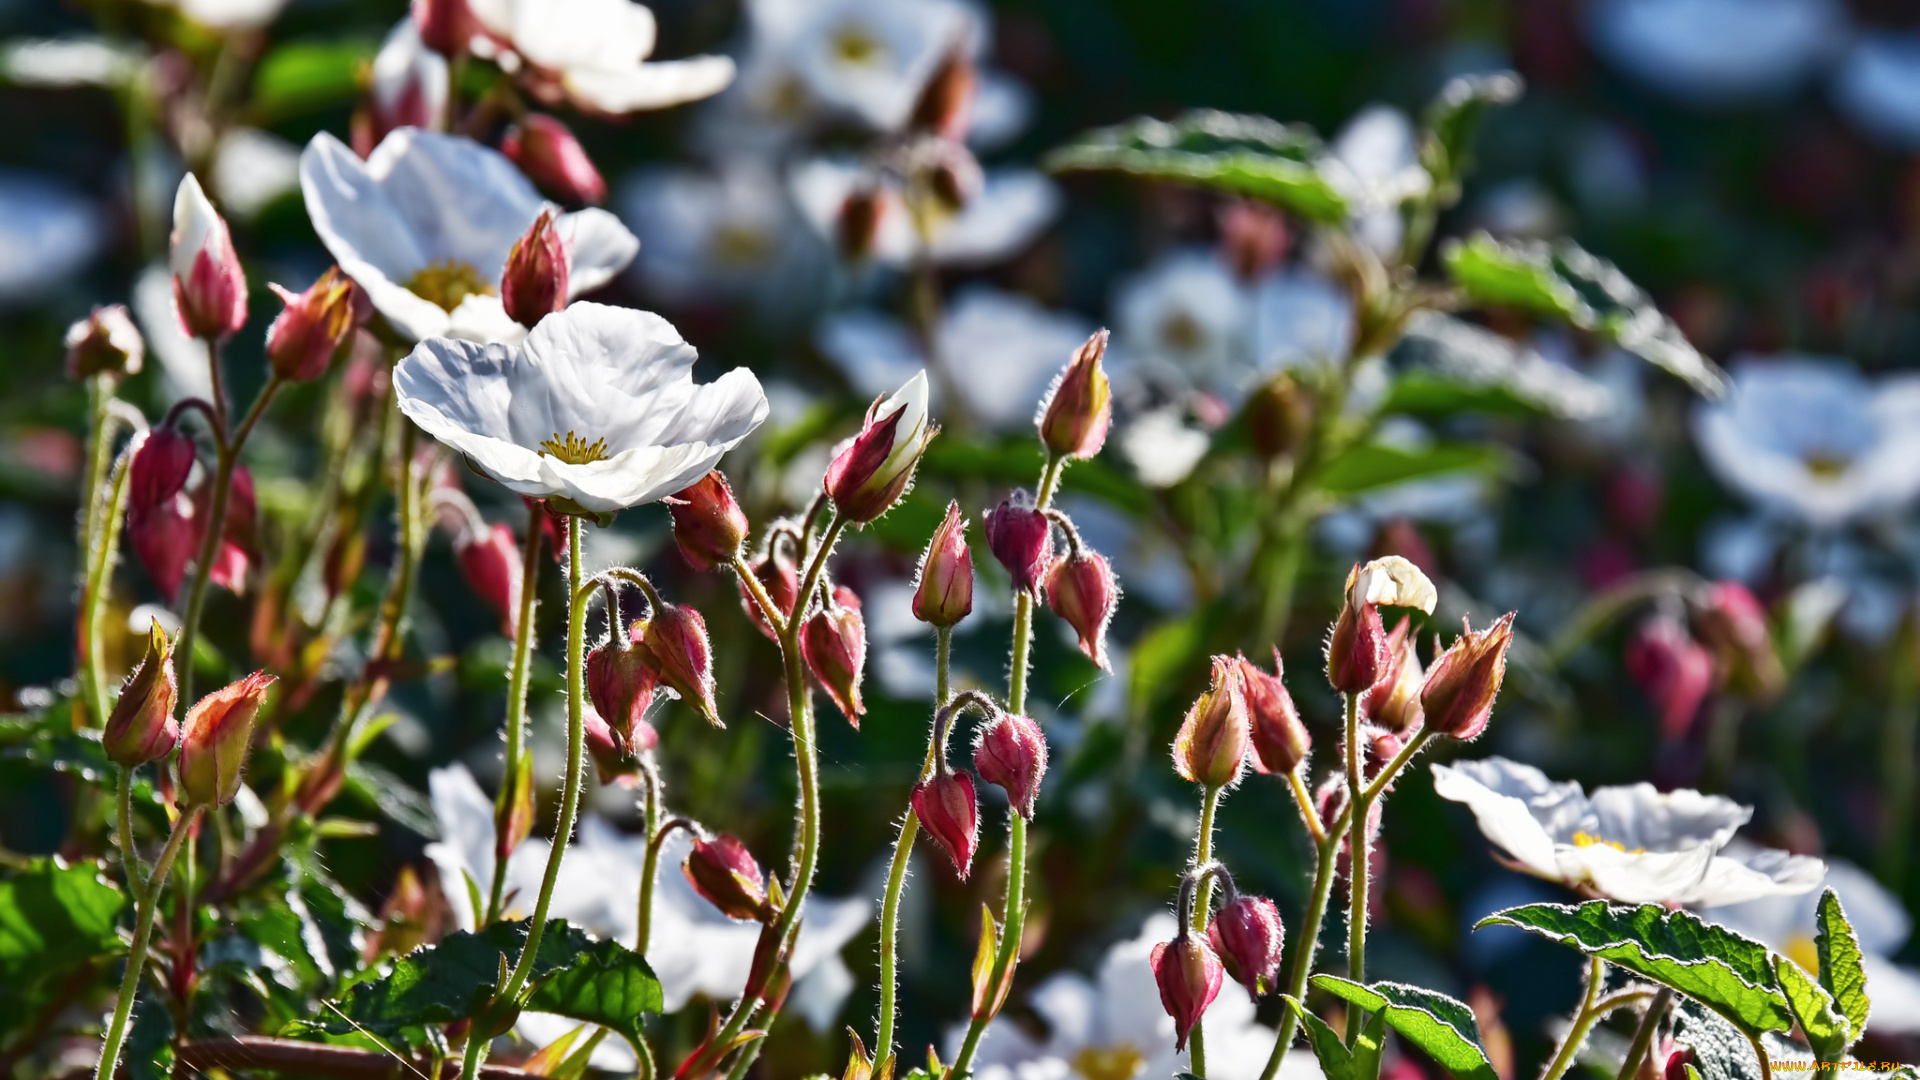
(1632, 844)
(1717, 52)
(1376, 162)
(871, 59)
(1006, 215)
(1114, 1026)
(231, 14)
(425, 225)
(68, 61)
(1184, 318)
(48, 232)
(1813, 439)
(592, 53)
(1787, 924)
(1878, 87)
(253, 168)
(733, 230)
(598, 406)
(1162, 447)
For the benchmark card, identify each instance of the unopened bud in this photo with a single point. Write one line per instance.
(943, 593)
(1677, 1062)
(947, 809)
(1081, 589)
(105, 342)
(1211, 747)
(1393, 703)
(955, 179)
(411, 87)
(141, 727)
(1280, 741)
(708, 523)
(834, 644)
(1357, 654)
(160, 468)
(946, 101)
(445, 26)
(1021, 538)
(547, 151)
(1458, 694)
(723, 871)
(781, 581)
(1189, 977)
(871, 473)
(613, 763)
(620, 684)
(1279, 418)
(164, 538)
(1672, 670)
(1247, 935)
(534, 284)
(858, 224)
(1012, 752)
(209, 286)
(303, 338)
(1078, 409)
(490, 562)
(683, 656)
(215, 738)
(1734, 625)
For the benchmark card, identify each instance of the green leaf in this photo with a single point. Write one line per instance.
(1497, 273)
(1720, 1051)
(1440, 1026)
(1453, 117)
(1337, 1061)
(304, 76)
(606, 984)
(1449, 367)
(1728, 973)
(1827, 1032)
(1376, 465)
(1247, 155)
(52, 916)
(1841, 973)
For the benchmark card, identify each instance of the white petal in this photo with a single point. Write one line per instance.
(598, 248)
(1761, 872)
(1503, 795)
(658, 84)
(1654, 877)
(1641, 816)
(1011, 210)
(232, 14)
(1162, 448)
(1717, 52)
(1893, 992)
(466, 839)
(183, 360)
(253, 168)
(564, 35)
(1395, 582)
(875, 352)
(194, 222)
(484, 319)
(1877, 87)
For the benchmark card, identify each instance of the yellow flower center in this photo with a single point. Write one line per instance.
(1801, 950)
(1587, 839)
(573, 449)
(1121, 1062)
(1826, 465)
(739, 245)
(447, 282)
(852, 45)
(1181, 333)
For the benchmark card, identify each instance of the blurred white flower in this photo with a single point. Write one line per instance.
(1114, 1026)
(68, 61)
(183, 360)
(871, 58)
(1184, 319)
(593, 54)
(1009, 212)
(1878, 87)
(253, 168)
(1716, 53)
(733, 230)
(1162, 447)
(48, 233)
(231, 14)
(1632, 844)
(1813, 439)
(1379, 166)
(1300, 317)
(598, 406)
(426, 222)
(1787, 924)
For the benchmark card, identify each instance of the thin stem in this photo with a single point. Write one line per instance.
(102, 557)
(149, 900)
(1583, 1021)
(902, 850)
(1308, 940)
(650, 867)
(756, 589)
(1304, 801)
(1358, 872)
(1608, 605)
(136, 880)
(1760, 1051)
(517, 693)
(1378, 785)
(1643, 1035)
(1202, 907)
(99, 450)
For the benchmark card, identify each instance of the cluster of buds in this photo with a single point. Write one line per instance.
(1247, 935)
(209, 286)
(668, 648)
(870, 473)
(167, 526)
(725, 873)
(1734, 625)
(534, 284)
(833, 642)
(617, 761)
(1357, 652)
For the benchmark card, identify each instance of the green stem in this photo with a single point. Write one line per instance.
(1760, 1052)
(1357, 798)
(136, 881)
(1202, 907)
(93, 601)
(517, 695)
(902, 849)
(149, 901)
(1308, 941)
(99, 448)
(1583, 1021)
(1643, 1035)
(650, 870)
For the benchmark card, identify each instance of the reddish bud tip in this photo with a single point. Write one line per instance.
(682, 656)
(946, 102)
(534, 284)
(620, 684)
(209, 286)
(160, 468)
(215, 738)
(834, 644)
(613, 762)
(1247, 935)
(1012, 752)
(490, 562)
(943, 595)
(1189, 976)
(858, 223)
(1021, 538)
(1458, 694)
(1211, 746)
(105, 342)
(547, 151)
(141, 727)
(870, 474)
(303, 338)
(724, 872)
(446, 26)
(164, 538)
(708, 523)
(1734, 625)
(1078, 410)
(1081, 589)
(947, 809)
(1280, 741)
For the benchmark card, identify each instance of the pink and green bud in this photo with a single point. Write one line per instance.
(141, 727)
(1393, 703)
(873, 470)
(1079, 408)
(160, 468)
(1357, 655)
(620, 684)
(1012, 752)
(215, 738)
(1021, 538)
(1210, 748)
(708, 523)
(1247, 935)
(303, 338)
(105, 343)
(209, 286)
(1674, 671)
(534, 284)
(947, 809)
(489, 560)
(1081, 589)
(1280, 741)
(943, 595)
(834, 644)
(723, 871)
(682, 655)
(1189, 977)
(547, 151)
(1458, 695)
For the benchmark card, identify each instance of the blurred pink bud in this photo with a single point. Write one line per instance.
(782, 584)
(445, 26)
(534, 284)
(1672, 670)
(160, 468)
(1734, 624)
(303, 338)
(612, 763)
(955, 177)
(490, 561)
(163, 540)
(834, 644)
(1081, 589)
(723, 871)
(1012, 752)
(1280, 741)
(943, 595)
(105, 342)
(708, 523)
(141, 727)
(946, 102)
(1253, 238)
(1247, 935)
(1189, 976)
(1677, 1062)
(1021, 538)
(1393, 704)
(547, 151)
(411, 86)
(1279, 417)
(620, 684)
(1457, 697)
(215, 738)
(209, 287)
(1078, 409)
(1211, 745)
(238, 545)
(945, 805)
(682, 656)
(867, 477)
(858, 223)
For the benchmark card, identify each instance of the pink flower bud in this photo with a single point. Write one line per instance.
(490, 561)
(1247, 935)
(858, 223)
(620, 684)
(410, 87)
(1357, 650)
(1734, 625)
(954, 177)
(141, 727)
(723, 871)
(164, 539)
(1672, 670)
(946, 102)
(834, 644)
(303, 338)
(445, 26)
(873, 470)
(105, 342)
(1012, 753)
(682, 656)
(215, 739)
(1279, 418)
(209, 287)
(1189, 976)
(1677, 1062)
(1021, 538)
(1458, 694)
(1280, 741)
(160, 468)
(613, 763)
(546, 150)
(943, 595)
(782, 584)
(1253, 238)
(1393, 703)
(534, 284)
(1211, 746)
(708, 523)
(946, 807)
(1079, 408)
(1081, 590)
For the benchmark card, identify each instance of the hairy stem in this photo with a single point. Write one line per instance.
(99, 452)
(149, 901)
(1202, 907)
(902, 850)
(136, 880)
(1308, 940)
(101, 557)
(517, 695)
(1362, 857)
(1583, 1022)
(1643, 1035)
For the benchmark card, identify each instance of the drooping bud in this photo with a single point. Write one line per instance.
(1677, 1062)
(215, 738)
(1247, 935)
(105, 342)
(1734, 624)
(620, 684)
(873, 470)
(781, 581)
(515, 816)
(612, 763)
(1393, 704)
(945, 104)
(1672, 670)
(163, 539)
(1021, 538)
(1458, 694)
(943, 594)
(1280, 741)
(1279, 417)
(1012, 752)
(547, 151)
(1357, 654)
(708, 523)
(947, 809)
(1189, 977)
(141, 727)
(411, 86)
(490, 562)
(1078, 409)
(834, 644)
(303, 338)
(534, 284)
(1211, 746)
(1081, 589)
(682, 656)
(445, 26)
(209, 287)
(160, 468)
(723, 871)
(857, 225)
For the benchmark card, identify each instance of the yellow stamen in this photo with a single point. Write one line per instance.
(853, 45)
(1121, 1062)
(573, 449)
(739, 245)
(447, 282)
(1827, 466)
(1587, 839)
(1181, 333)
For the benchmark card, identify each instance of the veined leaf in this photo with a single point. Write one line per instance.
(1720, 1052)
(1730, 974)
(1448, 366)
(1840, 971)
(1375, 465)
(53, 915)
(1248, 155)
(1827, 1031)
(1439, 1025)
(606, 984)
(1337, 1061)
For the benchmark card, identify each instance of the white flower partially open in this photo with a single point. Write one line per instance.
(1632, 844)
(597, 406)
(426, 222)
(592, 53)
(1395, 582)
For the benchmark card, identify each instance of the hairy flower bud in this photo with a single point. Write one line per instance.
(1280, 741)
(303, 338)
(141, 727)
(534, 284)
(1021, 538)
(858, 223)
(160, 468)
(708, 523)
(1012, 752)
(613, 763)
(620, 684)
(209, 287)
(215, 738)
(873, 470)
(834, 644)
(682, 656)
(943, 594)
(1672, 670)
(547, 151)
(1081, 589)
(1357, 655)
(1078, 408)
(781, 581)
(1393, 703)
(105, 342)
(1458, 694)
(1734, 624)
(723, 871)
(1189, 977)
(1247, 935)
(945, 104)
(489, 560)
(1211, 746)
(947, 809)
(1279, 417)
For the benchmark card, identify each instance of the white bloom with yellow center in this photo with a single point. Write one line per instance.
(871, 59)
(593, 53)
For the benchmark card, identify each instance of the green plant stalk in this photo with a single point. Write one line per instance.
(136, 881)
(650, 866)
(1760, 1052)
(149, 903)
(1583, 1022)
(1357, 798)
(101, 558)
(1202, 907)
(1308, 940)
(517, 699)
(1643, 1035)
(99, 452)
